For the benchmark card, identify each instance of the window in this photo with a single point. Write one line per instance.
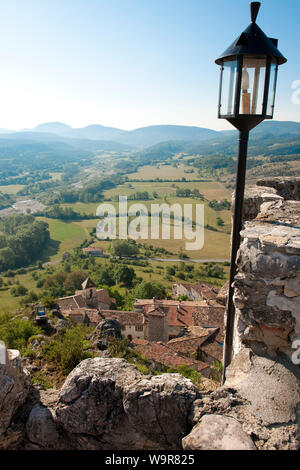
(123, 328)
(139, 328)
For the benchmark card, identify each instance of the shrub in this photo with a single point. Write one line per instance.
(183, 297)
(38, 378)
(142, 369)
(30, 353)
(187, 372)
(18, 291)
(30, 298)
(69, 349)
(170, 271)
(148, 290)
(217, 371)
(16, 333)
(118, 347)
(48, 301)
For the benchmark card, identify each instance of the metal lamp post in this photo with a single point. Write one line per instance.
(247, 96)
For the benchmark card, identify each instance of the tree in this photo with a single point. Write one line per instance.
(123, 248)
(55, 284)
(124, 275)
(148, 290)
(105, 276)
(220, 222)
(170, 271)
(18, 291)
(73, 281)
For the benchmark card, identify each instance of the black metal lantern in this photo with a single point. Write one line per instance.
(248, 77)
(249, 70)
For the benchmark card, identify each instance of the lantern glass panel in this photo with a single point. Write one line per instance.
(253, 85)
(229, 76)
(272, 92)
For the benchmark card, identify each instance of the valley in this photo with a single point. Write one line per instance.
(68, 173)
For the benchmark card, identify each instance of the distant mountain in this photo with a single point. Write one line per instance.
(152, 135)
(278, 128)
(142, 137)
(97, 132)
(196, 139)
(92, 132)
(54, 141)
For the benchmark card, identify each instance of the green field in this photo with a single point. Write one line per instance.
(163, 172)
(216, 245)
(11, 188)
(67, 234)
(210, 190)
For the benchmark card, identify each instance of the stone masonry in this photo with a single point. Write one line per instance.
(267, 287)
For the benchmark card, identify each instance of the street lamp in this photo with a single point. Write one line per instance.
(247, 97)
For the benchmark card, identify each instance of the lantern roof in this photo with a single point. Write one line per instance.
(253, 42)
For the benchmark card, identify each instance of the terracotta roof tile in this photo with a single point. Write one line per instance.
(163, 354)
(92, 249)
(78, 301)
(213, 349)
(206, 291)
(189, 343)
(124, 318)
(186, 314)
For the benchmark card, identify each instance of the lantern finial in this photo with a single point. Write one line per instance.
(254, 6)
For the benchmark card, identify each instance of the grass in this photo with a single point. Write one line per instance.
(83, 208)
(11, 188)
(163, 172)
(216, 244)
(68, 234)
(210, 190)
(55, 176)
(154, 272)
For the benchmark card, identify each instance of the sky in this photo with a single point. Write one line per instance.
(130, 63)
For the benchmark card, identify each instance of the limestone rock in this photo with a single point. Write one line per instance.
(14, 388)
(37, 342)
(61, 325)
(223, 293)
(271, 388)
(91, 398)
(227, 401)
(216, 432)
(105, 329)
(159, 406)
(110, 404)
(41, 429)
(287, 187)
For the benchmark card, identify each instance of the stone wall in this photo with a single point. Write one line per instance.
(267, 286)
(157, 327)
(14, 389)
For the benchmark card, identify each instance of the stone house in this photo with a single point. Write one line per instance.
(176, 316)
(197, 292)
(133, 324)
(96, 251)
(161, 353)
(203, 344)
(89, 298)
(136, 325)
